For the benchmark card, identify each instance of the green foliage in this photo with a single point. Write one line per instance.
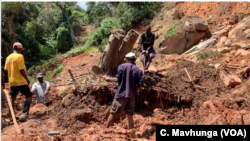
(62, 92)
(202, 55)
(58, 69)
(102, 33)
(171, 32)
(61, 39)
(45, 64)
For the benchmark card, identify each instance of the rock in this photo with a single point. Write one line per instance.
(220, 33)
(237, 31)
(223, 39)
(228, 43)
(177, 13)
(230, 80)
(240, 45)
(234, 118)
(188, 27)
(202, 45)
(91, 55)
(68, 100)
(248, 36)
(242, 52)
(227, 60)
(181, 42)
(246, 119)
(201, 25)
(223, 50)
(38, 109)
(217, 65)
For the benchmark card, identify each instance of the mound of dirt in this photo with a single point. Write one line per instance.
(206, 79)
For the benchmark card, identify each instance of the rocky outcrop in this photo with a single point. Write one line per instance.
(238, 31)
(185, 35)
(177, 13)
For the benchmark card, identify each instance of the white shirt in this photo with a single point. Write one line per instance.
(40, 89)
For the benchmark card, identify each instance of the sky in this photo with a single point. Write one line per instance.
(82, 4)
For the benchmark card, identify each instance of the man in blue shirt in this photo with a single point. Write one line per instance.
(130, 80)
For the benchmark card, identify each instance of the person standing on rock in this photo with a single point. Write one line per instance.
(130, 80)
(42, 90)
(146, 44)
(18, 80)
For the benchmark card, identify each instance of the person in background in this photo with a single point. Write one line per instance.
(146, 44)
(42, 90)
(130, 80)
(18, 80)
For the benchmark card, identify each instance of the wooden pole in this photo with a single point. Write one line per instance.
(13, 114)
(72, 77)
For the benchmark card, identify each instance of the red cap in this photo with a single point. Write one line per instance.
(19, 45)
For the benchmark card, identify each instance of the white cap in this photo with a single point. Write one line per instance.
(130, 55)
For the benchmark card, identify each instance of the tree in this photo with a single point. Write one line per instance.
(9, 11)
(63, 6)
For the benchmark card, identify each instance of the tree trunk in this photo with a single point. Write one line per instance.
(115, 51)
(70, 28)
(109, 58)
(127, 45)
(111, 13)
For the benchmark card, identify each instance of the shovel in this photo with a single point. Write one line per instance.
(99, 73)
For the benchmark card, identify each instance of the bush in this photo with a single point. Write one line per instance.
(45, 64)
(202, 55)
(58, 69)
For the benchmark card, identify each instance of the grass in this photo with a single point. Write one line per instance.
(45, 64)
(62, 92)
(171, 32)
(202, 55)
(58, 69)
(209, 54)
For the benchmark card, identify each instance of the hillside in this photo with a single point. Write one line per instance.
(217, 62)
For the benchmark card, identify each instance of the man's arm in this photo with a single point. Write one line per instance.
(22, 68)
(140, 82)
(25, 76)
(111, 79)
(47, 89)
(152, 43)
(140, 43)
(3, 84)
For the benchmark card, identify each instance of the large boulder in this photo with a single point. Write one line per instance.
(183, 35)
(201, 25)
(238, 31)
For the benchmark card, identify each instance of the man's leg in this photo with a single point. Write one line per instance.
(130, 111)
(110, 120)
(26, 104)
(149, 59)
(118, 105)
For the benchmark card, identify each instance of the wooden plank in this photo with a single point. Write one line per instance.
(13, 114)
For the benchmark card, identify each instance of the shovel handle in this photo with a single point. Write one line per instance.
(188, 75)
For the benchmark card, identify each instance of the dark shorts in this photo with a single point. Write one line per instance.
(24, 89)
(123, 104)
(151, 55)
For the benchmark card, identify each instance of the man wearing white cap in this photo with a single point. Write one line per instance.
(130, 80)
(41, 88)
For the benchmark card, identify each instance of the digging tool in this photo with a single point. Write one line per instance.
(72, 77)
(13, 114)
(99, 73)
(190, 79)
(53, 134)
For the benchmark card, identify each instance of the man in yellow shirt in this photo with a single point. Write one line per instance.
(18, 80)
